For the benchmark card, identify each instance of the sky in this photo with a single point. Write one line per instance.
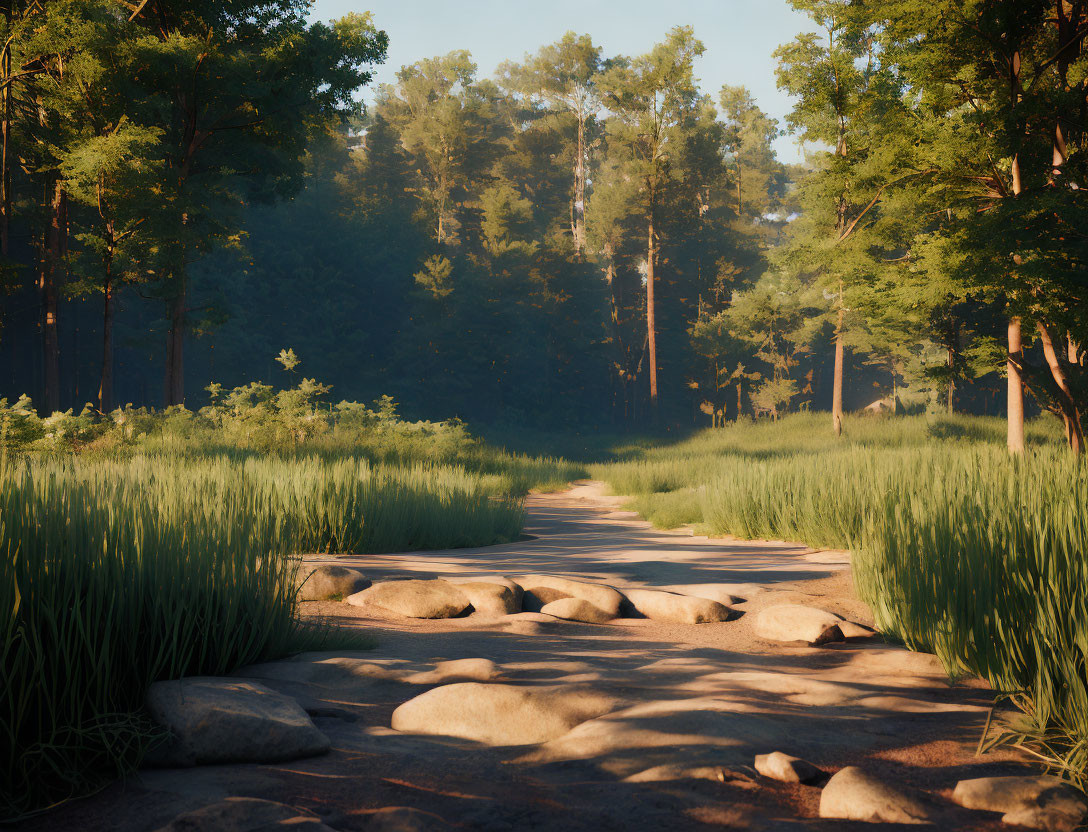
(740, 35)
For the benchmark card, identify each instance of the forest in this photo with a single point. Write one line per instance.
(778, 455)
(581, 240)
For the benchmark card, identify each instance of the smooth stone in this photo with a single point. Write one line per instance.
(787, 769)
(575, 609)
(680, 771)
(413, 598)
(490, 599)
(403, 819)
(246, 814)
(456, 670)
(217, 720)
(725, 594)
(543, 589)
(1045, 819)
(854, 794)
(321, 583)
(796, 622)
(677, 609)
(1031, 799)
(852, 630)
(497, 714)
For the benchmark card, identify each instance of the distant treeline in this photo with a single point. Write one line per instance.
(581, 240)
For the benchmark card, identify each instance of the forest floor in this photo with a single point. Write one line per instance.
(697, 702)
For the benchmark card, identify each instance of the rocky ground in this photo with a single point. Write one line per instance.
(724, 685)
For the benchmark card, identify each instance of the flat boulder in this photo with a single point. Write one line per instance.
(217, 720)
(490, 599)
(413, 599)
(497, 714)
(246, 814)
(677, 609)
(854, 794)
(725, 594)
(402, 819)
(1036, 802)
(543, 589)
(325, 582)
(575, 609)
(851, 631)
(787, 769)
(796, 622)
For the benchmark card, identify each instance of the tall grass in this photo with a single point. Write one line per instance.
(987, 566)
(116, 573)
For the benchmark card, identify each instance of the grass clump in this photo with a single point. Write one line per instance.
(114, 576)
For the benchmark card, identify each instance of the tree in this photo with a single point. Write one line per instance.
(655, 100)
(239, 91)
(563, 78)
(831, 75)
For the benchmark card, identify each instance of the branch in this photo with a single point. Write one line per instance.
(849, 229)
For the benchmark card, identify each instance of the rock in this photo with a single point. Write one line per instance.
(853, 794)
(403, 819)
(1037, 802)
(682, 771)
(795, 622)
(779, 766)
(230, 721)
(490, 599)
(851, 630)
(678, 609)
(543, 589)
(246, 814)
(725, 594)
(575, 609)
(413, 598)
(456, 670)
(497, 714)
(1046, 819)
(322, 583)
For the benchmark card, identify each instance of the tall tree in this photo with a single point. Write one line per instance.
(655, 100)
(563, 77)
(239, 89)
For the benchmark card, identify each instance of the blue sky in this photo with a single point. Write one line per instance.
(740, 35)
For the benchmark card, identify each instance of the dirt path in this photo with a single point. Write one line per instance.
(693, 703)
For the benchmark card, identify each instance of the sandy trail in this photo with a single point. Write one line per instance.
(697, 702)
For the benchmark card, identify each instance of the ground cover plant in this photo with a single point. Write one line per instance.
(959, 548)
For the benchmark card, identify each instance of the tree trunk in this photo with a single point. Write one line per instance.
(52, 264)
(579, 218)
(1074, 429)
(174, 393)
(105, 383)
(1016, 388)
(951, 382)
(651, 327)
(5, 137)
(836, 386)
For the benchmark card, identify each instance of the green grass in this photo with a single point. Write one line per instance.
(959, 549)
(119, 572)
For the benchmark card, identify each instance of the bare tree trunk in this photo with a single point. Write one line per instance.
(651, 327)
(105, 383)
(174, 392)
(836, 387)
(579, 218)
(49, 279)
(5, 137)
(1074, 430)
(1016, 388)
(951, 382)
